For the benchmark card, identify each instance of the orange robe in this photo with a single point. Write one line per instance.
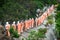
(45, 15)
(36, 21)
(39, 21)
(52, 7)
(26, 25)
(8, 28)
(48, 12)
(14, 26)
(22, 26)
(32, 22)
(19, 28)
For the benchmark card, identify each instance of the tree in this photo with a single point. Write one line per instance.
(14, 10)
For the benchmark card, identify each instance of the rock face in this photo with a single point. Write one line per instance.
(3, 34)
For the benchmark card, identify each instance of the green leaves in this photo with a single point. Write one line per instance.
(14, 10)
(37, 35)
(58, 8)
(42, 30)
(13, 32)
(58, 24)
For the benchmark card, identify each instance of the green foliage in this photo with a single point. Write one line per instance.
(58, 30)
(58, 24)
(57, 15)
(14, 33)
(40, 34)
(50, 17)
(49, 2)
(13, 10)
(58, 8)
(50, 21)
(11, 30)
(42, 30)
(32, 32)
(1, 3)
(58, 27)
(57, 21)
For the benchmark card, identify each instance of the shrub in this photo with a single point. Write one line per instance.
(50, 17)
(13, 32)
(42, 30)
(50, 22)
(58, 8)
(40, 34)
(58, 24)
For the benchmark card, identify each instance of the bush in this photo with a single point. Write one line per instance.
(40, 34)
(42, 30)
(58, 8)
(50, 22)
(50, 17)
(58, 24)
(13, 32)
